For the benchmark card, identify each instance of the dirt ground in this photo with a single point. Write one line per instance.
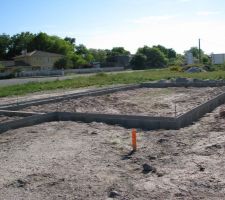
(145, 101)
(69, 160)
(4, 118)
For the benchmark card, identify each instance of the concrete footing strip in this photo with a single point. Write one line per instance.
(10, 113)
(24, 104)
(97, 92)
(128, 121)
(27, 121)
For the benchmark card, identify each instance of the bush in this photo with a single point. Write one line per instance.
(77, 61)
(155, 58)
(176, 68)
(219, 67)
(138, 62)
(63, 63)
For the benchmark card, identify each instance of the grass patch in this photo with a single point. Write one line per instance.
(103, 79)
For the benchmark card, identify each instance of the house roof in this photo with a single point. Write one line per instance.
(38, 53)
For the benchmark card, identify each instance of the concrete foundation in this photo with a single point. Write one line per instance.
(128, 121)
(27, 121)
(182, 82)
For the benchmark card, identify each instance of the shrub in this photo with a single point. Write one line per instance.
(138, 62)
(63, 63)
(176, 68)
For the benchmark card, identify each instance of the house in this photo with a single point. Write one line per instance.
(218, 58)
(42, 59)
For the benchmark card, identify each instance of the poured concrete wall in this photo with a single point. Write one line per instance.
(21, 105)
(10, 113)
(27, 121)
(128, 121)
(198, 112)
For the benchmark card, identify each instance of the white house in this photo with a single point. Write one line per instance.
(218, 58)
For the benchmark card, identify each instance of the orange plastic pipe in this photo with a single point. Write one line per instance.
(134, 139)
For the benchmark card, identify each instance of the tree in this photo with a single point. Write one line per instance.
(70, 40)
(20, 42)
(138, 61)
(99, 55)
(119, 51)
(77, 60)
(63, 63)
(81, 50)
(169, 53)
(155, 58)
(5, 42)
(195, 52)
(54, 44)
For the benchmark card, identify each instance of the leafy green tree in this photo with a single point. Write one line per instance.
(155, 58)
(116, 51)
(5, 42)
(63, 63)
(195, 52)
(54, 44)
(77, 60)
(99, 55)
(81, 50)
(119, 51)
(138, 61)
(169, 53)
(20, 42)
(70, 40)
(206, 59)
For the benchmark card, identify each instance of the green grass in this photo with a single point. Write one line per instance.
(103, 79)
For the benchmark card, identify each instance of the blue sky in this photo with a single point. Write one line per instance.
(130, 23)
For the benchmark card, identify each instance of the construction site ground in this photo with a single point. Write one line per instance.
(71, 160)
(168, 102)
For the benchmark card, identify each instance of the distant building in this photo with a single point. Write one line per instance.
(42, 59)
(122, 61)
(218, 58)
(189, 58)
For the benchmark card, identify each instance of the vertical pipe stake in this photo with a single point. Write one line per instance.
(134, 139)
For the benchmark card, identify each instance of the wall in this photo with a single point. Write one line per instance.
(218, 58)
(198, 112)
(43, 61)
(7, 63)
(27, 121)
(68, 71)
(128, 121)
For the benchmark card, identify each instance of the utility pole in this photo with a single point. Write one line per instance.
(199, 50)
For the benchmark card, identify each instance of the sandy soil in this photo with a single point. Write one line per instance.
(69, 160)
(144, 101)
(8, 119)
